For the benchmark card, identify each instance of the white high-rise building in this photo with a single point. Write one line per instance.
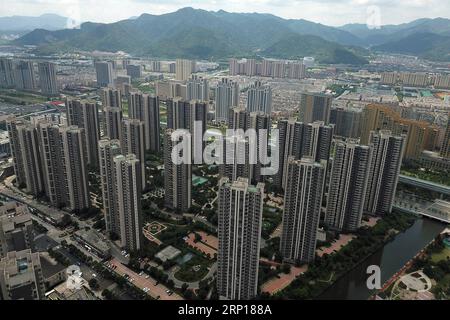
(197, 89)
(177, 178)
(348, 184)
(384, 171)
(133, 142)
(108, 149)
(226, 97)
(85, 115)
(240, 209)
(31, 157)
(145, 108)
(259, 98)
(127, 171)
(73, 142)
(299, 140)
(302, 203)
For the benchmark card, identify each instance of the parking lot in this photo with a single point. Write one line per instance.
(158, 291)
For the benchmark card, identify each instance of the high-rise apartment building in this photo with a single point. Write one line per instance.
(133, 142)
(226, 97)
(177, 178)
(12, 125)
(260, 122)
(347, 122)
(238, 118)
(296, 70)
(127, 171)
(105, 73)
(7, 76)
(302, 203)
(64, 158)
(108, 149)
(348, 185)
(85, 115)
(184, 69)
(445, 149)
(197, 89)
(134, 71)
(31, 158)
(315, 107)
(26, 155)
(145, 108)
(73, 142)
(240, 208)
(236, 158)
(259, 98)
(47, 78)
(414, 79)
(420, 135)
(298, 140)
(112, 127)
(384, 170)
(111, 98)
(268, 68)
(24, 75)
(53, 164)
(189, 115)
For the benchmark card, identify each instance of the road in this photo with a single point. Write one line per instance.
(428, 185)
(141, 282)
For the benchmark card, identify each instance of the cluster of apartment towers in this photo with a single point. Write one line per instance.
(52, 156)
(21, 75)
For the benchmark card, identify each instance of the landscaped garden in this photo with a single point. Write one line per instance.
(193, 270)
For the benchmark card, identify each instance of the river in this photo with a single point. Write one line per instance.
(391, 258)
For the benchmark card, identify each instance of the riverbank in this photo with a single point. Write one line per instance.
(390, 259)
(431, 263)
(326, 270)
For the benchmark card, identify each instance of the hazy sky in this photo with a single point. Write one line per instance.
(330, 12)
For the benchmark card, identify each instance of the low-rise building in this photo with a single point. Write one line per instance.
(93, 242)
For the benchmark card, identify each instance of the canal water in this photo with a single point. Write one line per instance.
(391, 258)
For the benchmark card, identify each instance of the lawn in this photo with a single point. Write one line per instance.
(443, 255)
(193, 270)
(12, 96)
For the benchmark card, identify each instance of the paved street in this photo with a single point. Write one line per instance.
(141, 282)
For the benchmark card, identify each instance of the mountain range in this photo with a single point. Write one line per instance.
(196, 33)
(24, 23)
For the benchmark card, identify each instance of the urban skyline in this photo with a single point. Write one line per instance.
(250, 176)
